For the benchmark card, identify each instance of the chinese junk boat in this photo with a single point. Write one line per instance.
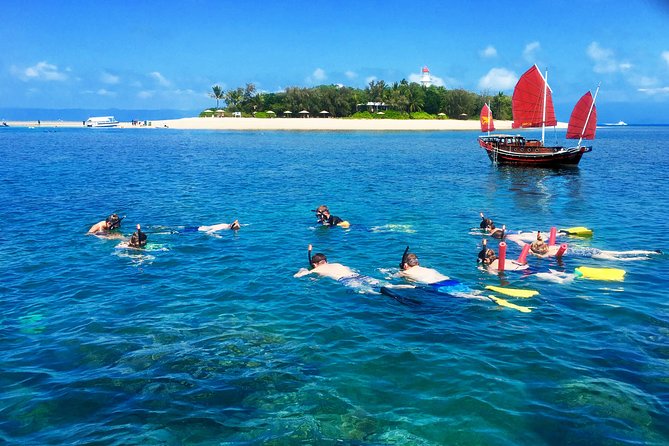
(532, 105)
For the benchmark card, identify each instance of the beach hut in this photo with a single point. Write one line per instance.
(304, 114)
(324, 114)
(220, 113)
(287, 114)
(270, 113)
(441, 115)
(208, 113)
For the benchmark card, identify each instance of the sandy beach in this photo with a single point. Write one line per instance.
(295, 124)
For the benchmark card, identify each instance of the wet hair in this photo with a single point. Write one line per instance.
(411, 260)
(320, 212)
(317, 258)
(137, 239)
(485, 222)
(487, 256)
(539, 235)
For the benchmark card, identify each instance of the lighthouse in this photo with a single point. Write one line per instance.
(425, 79)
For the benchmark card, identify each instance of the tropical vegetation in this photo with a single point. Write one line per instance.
(401, 100)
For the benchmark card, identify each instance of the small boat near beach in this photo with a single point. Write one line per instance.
(101, 121)
(532, 106)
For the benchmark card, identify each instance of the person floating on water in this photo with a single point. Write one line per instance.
(411, 269)
(486, 255)
(489, 227)
(538, 246)
(490, 261)
(138, 238)
(326, 219)
(105, 227)
(336, 271)
(541, 249)
(213, 228)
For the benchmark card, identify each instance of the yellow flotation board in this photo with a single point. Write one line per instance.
(579, 231)
(344, 224)
(506, 303)
(588, 272)
(513, 292)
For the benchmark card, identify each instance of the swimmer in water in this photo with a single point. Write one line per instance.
(489, 227)
(325, 218)
(411, 270)
(138, 238)
(336, 271)
(105, 227)
(539, 248)
(490, 261)
(213, 228)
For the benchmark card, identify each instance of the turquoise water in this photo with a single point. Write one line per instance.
(211, 340)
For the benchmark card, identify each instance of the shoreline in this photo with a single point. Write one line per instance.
(291, 124)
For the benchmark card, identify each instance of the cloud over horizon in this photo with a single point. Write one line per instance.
(498, 79)
(41, 71)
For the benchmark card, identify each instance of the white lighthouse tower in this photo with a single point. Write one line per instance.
(425, 79)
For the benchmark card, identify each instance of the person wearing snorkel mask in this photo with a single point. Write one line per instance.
(489, 227)
(411, 270)
(106, 226)
(325, 218)
(138, 239)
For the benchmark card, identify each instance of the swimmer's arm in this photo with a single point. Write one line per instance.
(302, 272)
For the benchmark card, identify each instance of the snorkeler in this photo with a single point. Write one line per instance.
(538, 246)
(490, 261)
(326, 219)
(213, 228)
(489, 227)
(336, 271)
(104, 227)
(138, 238)
(411, 270)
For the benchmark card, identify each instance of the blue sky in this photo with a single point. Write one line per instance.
(168, 54)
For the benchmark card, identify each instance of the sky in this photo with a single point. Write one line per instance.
(168, 54)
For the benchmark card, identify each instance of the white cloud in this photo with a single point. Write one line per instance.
(145, 94)
(488, 52)
(604, 59)
(654, 91)
(109, 78)
(530, 50)
(317, 76)
(665, 56)
(498, 79)
(369, 79)
(41, 71)
(160, 79)
(351, 74)
(103, 92)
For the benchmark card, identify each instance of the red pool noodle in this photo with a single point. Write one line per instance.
(502, 256)
(522, 259)
(562, 250)
(551, 238)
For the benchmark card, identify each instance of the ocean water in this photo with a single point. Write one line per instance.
(209, 339)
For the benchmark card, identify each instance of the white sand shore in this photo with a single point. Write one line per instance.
(299, 124)
(310, 124)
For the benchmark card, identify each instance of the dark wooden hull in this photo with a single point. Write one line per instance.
(504, 149)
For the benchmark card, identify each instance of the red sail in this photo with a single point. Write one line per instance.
(583, 121)
(528, 101)
(487, 124)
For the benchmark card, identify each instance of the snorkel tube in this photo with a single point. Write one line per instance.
(311, 265)
(404, 258)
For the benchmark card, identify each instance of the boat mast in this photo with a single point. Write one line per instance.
(585, 125)
(543, 117)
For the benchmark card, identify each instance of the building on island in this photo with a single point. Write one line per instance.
(425, 79)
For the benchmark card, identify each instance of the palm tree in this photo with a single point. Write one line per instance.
(217, 94)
